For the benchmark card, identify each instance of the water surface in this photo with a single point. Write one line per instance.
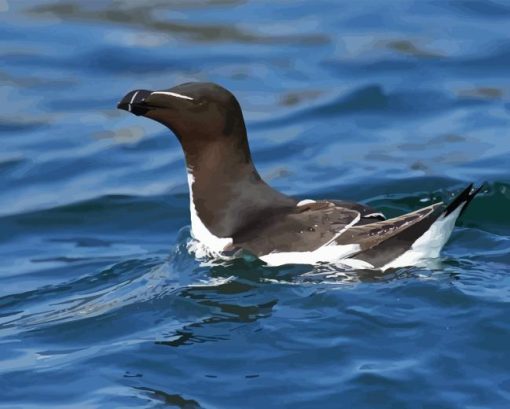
(396, 104)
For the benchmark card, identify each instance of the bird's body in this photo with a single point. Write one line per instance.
(233, 211)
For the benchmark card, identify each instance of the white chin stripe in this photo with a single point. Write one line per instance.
(172, 94)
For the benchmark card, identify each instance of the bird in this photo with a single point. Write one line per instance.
(235, 213)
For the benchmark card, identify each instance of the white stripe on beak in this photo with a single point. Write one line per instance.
(173, 94)
(132, 99)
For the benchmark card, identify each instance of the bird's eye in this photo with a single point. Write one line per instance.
(200, 102)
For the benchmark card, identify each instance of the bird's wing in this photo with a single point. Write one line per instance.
(373, 234)
(305, 228)
(326, 223)
(383, 242)
(368, 213)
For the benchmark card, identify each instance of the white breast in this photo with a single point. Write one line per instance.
(199, 231)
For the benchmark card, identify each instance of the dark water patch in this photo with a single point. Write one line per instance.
(130, 61)
(109, 214)
(371, 190)
(373, 100)
(483, 92)
(408, 47)
(478, 9)
(10, 164)
(79, 104)
(298, 98)
(125, 61)
(31, 82)
(160, 142)
(204, 32)
(288, 148)
(8, 126)
(107, 277)
(493, 60)
(491, 208)
(170, 399)
(84, 242)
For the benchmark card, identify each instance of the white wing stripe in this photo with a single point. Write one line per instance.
(375, 215)
(305, 202)
(354, 221)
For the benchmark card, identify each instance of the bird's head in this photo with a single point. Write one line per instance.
(199, 113)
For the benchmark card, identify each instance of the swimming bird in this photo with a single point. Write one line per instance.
(233, 211)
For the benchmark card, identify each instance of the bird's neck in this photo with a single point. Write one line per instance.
(226, 191)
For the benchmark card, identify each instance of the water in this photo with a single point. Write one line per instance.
(395, 104)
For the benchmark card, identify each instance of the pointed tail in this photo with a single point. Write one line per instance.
(423, 237)
(463, 199)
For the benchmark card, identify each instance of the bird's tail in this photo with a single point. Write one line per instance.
(462, 200)
(430, 244)
(415, 240)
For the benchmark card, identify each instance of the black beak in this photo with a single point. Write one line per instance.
(134, 102)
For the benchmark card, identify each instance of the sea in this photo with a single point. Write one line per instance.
(397, 104)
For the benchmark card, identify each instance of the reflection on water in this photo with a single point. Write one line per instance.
(139, 14)
(409, 48)
(169, 399)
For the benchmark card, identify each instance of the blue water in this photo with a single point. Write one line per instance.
(396, 104)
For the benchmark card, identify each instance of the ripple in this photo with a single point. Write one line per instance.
(169, 399)
(141, 16)
(480, 9)
(372, 99)
(408, 47)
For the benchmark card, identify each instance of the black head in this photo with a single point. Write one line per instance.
(197, 112)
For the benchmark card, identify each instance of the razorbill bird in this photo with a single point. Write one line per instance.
(233, 210)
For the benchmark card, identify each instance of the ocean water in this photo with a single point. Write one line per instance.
(396, 104)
